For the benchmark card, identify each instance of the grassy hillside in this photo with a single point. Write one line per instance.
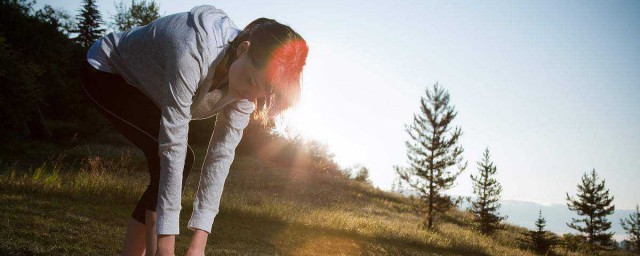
(79, 202)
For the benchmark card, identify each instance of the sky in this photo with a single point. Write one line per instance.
(552, 88)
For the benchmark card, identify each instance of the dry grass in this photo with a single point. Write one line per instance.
(82, 206)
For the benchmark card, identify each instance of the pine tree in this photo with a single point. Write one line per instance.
(594, 203)
(487, 191)
(431, 151)
(362, 175)
(539, 239)
(631, 225)
(89, 21)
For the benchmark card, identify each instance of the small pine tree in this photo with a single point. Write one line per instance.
(539, 239)
(487, 189)
(631, 225)
(395, 185)
(432, 150)
(627, 245)
(363, 175)
(89, 21)
(594, 203)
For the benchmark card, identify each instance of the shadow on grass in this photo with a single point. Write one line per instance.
(37, 223)
(279, 237)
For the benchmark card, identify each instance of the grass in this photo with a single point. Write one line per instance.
(78, 203)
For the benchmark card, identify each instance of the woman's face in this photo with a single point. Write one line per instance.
(245, 81)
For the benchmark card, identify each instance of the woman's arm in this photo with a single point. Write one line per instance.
(181, 80)
(227, 133)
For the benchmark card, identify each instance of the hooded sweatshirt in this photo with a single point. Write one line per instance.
(172, 60)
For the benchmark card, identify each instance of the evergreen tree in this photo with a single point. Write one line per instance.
(138, 14)
(431, 151)
(39, 72)
(89, 21)
(539, 239)
(20, 93)
(396, 186)
(594, 203)
(631, 225)
(487, 190)
(362, 175)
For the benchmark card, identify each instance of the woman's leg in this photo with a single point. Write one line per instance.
(150, 229)
(133, 245)
(112, 97)
(138, 119)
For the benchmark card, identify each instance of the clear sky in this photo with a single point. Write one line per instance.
(551, 88)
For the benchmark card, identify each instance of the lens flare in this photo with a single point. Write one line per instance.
(284, 71)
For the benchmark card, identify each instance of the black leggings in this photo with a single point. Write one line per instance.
(136, 117)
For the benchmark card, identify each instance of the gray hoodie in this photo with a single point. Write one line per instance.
(172, 61)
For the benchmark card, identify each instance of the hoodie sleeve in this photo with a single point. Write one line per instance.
(181, 80)
(227, 133)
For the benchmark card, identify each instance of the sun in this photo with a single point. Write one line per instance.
(322, 110)
(300, 121)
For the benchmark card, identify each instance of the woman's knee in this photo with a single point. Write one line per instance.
(150, 215)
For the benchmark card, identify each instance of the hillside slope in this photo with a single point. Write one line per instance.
(79, 204)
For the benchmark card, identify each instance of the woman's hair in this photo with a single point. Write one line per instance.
(283, 52)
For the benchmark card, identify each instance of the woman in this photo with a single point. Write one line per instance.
(150, 81)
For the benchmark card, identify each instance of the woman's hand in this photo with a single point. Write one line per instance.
(198, 243)
(166, 245)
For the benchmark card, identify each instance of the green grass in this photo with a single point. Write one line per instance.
(79, 202)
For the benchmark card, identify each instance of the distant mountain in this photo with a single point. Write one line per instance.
(524, 214)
